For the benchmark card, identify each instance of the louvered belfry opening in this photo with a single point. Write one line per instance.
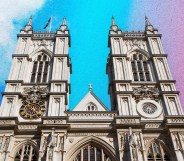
(40, 69)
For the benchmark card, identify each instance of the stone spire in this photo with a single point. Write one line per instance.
(64, 21)
(148, 25)
(113, 21)
(28, 26)
(63, 25)
(147, 21)
(114, 27)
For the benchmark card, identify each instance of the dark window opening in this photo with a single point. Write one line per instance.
(140, 69)
(40, 69)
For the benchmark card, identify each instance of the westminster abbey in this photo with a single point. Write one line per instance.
(145, 122)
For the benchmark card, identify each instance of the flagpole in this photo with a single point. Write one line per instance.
(50, 24)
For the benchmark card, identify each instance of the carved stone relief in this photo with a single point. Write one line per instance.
(42, 43)
(152, 125)
(130, 43)
(145, 92)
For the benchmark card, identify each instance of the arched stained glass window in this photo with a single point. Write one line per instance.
(140, 68)
(26, 153)
(78, 157)
(98, 155)
(85, 154)
(92, 153)
(40, 69)
(157, 153)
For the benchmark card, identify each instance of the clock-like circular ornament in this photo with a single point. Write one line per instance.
(149, 109)
(32, 109)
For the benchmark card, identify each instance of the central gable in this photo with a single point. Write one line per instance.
(90, 102)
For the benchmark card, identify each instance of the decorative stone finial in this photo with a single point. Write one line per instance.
(114, 27)
(90, 87)
(148, 25)
(147, 21)
(64, 21)
(30, 21)
(113, 22)
(28, 26)
(63, 25)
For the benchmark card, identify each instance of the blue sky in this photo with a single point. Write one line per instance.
(89, 23)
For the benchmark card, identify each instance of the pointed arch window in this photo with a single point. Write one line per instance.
(26, 153)
(40, 69)
(92, 153)
(157, 153)
(140, 68)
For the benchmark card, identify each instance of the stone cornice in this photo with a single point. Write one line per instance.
(166, 81)
(11, 93)
(169, 92)
(91, 116)
(14, 81)
(20, 55)
(158, 55)
(32, 84)
(104, 120)
(133, 82)
(60, 55)
(153, 35)
(127, 121)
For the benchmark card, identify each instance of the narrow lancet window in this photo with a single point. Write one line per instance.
(40, 69)
(157, 153)
(140, 68)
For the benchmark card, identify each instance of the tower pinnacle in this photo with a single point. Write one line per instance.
(64, 21)
(148, 25)
(113, 22)
(114, 27)
(147, 21)
(28, 26)
(63, 25)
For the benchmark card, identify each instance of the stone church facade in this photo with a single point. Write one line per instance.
(145, 123)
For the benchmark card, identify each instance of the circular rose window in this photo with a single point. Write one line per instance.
(149, 108)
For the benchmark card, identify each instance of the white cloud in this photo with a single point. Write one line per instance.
(11, 11)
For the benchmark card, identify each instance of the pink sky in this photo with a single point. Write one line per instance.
(168, 17)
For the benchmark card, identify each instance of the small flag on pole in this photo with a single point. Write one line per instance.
(47, 23)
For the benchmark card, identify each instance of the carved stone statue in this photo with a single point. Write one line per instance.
(51, 140)
(133, 146)
(4, 143)
(60, 145)
(132, 140)
(51, 144)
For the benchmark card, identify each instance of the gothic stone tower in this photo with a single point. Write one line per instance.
(143, 93)
(38, 86)
(145, 122)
